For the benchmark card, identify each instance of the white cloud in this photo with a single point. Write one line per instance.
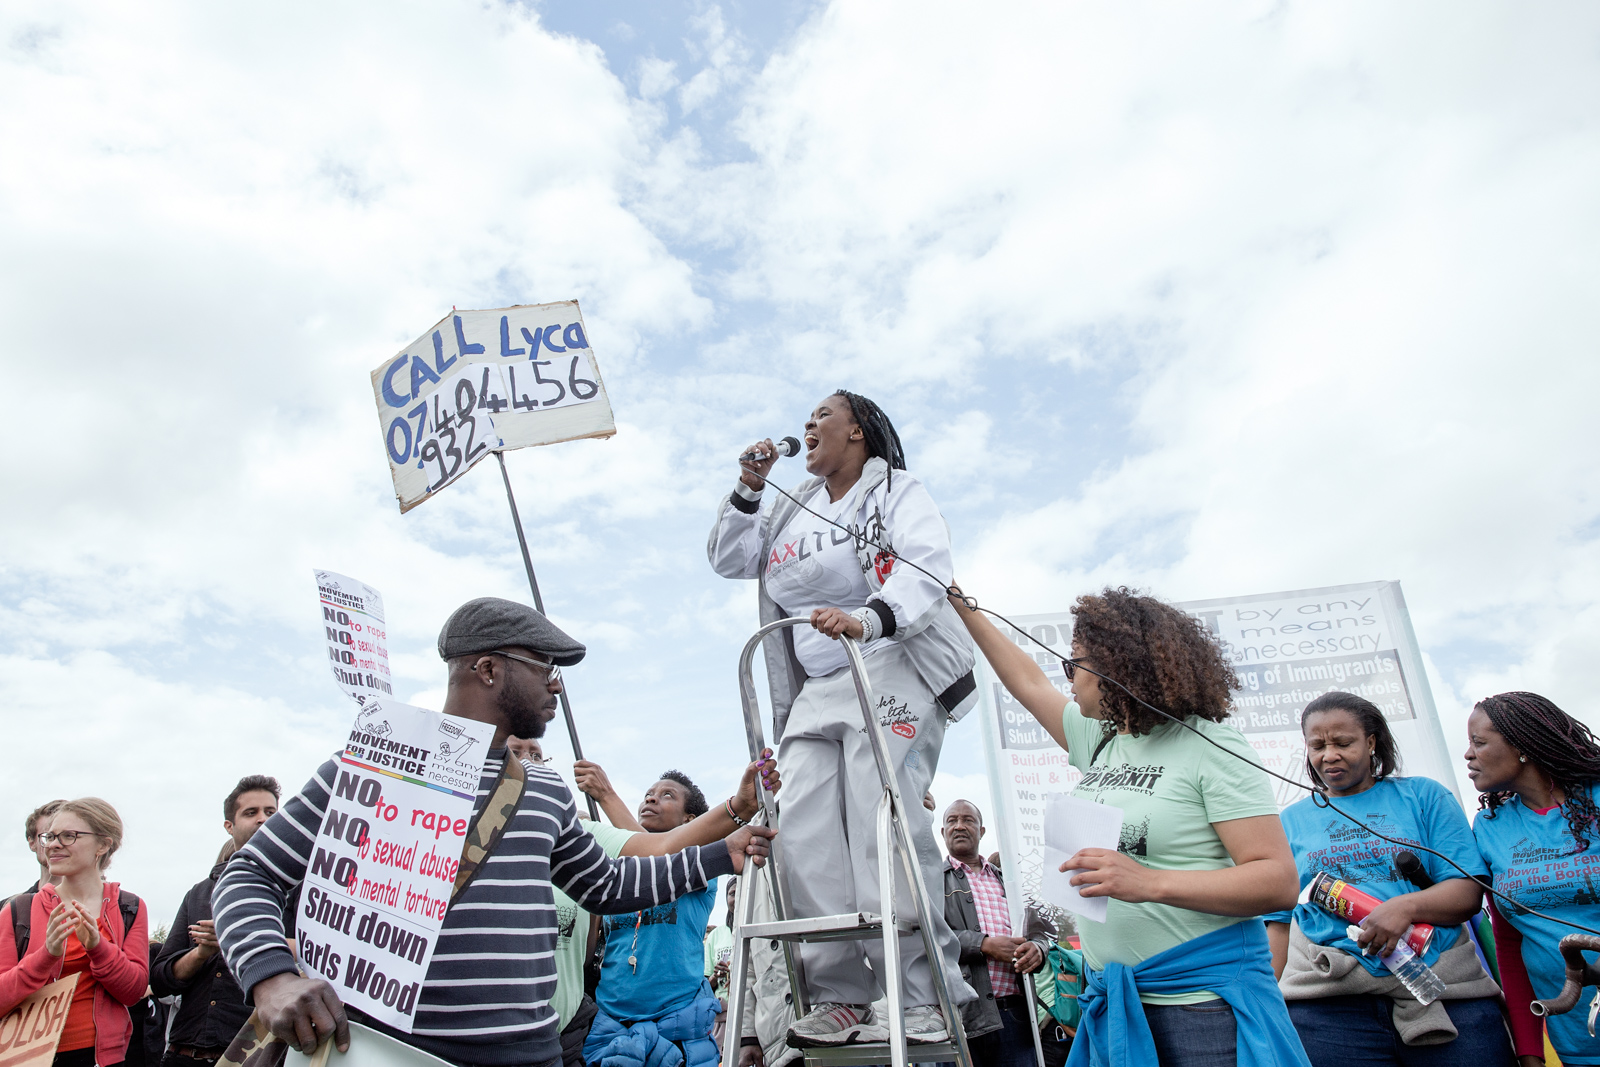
(1216, 300)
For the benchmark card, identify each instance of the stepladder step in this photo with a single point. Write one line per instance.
(851, 926)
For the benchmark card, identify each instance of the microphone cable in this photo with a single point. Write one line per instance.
(1318, 798)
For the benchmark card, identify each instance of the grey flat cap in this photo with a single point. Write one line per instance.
(488, 623)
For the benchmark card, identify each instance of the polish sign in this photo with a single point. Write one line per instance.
(487, 381)
(358, 638)
(386, 856)
(30, 1031)
(1287, 649)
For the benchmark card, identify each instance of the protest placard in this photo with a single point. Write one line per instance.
(30, 1031)
(1287, 648)
(358, 639)
(485, 381)
(386, 856)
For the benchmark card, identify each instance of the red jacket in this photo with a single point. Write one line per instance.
(120, 963)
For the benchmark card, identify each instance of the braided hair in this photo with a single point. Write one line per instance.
(877, 432)
(1556, 743)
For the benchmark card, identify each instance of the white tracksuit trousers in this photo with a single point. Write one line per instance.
(829, 819)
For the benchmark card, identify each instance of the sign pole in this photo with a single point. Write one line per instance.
(538, 602)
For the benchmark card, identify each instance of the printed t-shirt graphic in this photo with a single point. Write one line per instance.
(1171, 786)
(572, 930)
(1418, 811)
(1534, 860)
(814, 565)
(670, 954)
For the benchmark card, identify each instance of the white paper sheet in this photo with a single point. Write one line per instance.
(1071, 824)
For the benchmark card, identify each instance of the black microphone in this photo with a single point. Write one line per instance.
(786, 447)
(1410, 869)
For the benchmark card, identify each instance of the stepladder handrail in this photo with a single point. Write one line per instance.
(894, 844)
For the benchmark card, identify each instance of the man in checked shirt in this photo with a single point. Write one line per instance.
(1000, 1024)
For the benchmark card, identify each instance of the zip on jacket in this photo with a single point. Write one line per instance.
(119, 964)
(913, 606)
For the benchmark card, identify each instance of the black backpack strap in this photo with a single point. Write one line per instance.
(128, 904)
(1101, 747)
(21, 917)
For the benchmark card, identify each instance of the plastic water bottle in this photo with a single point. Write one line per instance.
(1406, 965)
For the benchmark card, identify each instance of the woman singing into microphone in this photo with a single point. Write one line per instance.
(918, 659)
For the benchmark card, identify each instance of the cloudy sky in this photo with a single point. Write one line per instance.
(1207, 299)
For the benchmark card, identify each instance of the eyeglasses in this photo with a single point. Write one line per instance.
(66, 837)
(552, 673)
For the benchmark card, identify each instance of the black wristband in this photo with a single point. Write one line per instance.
(746, 1042)
(885, 617)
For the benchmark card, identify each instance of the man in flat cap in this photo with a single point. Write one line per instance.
(486, 997)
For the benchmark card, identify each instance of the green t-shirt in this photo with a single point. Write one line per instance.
(572, 930)
(1171, 786)
(719, 949)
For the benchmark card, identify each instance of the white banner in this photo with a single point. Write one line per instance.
(386, 857)
(358, 638)
(485, 381)
(1288, 649)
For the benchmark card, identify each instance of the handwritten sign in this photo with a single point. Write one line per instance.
(486, 381)
(30, 1031)
(386, 856)
(358, 639)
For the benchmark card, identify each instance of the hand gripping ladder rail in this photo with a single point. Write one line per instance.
(894, 839)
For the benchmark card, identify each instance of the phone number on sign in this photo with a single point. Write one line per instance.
(447, 421)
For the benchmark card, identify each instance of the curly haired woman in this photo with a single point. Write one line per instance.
(1180, 972)
(1539, 831)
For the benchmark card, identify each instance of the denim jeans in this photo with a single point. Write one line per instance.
(1195, 1035)
(1009, 1046)
(1012, 1044)
(1360, 1029)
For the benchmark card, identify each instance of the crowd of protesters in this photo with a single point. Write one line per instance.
(589, 946)
(643, 984)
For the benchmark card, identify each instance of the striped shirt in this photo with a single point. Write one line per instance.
(486, 996)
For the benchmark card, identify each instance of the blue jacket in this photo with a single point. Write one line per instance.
(657, 1043)
(1233, 962)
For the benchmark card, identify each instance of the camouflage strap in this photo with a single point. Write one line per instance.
(256, 1046)
(490, 824)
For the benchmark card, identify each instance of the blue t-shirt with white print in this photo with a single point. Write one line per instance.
(1535, 861)
(1418, 811)
(667, 943)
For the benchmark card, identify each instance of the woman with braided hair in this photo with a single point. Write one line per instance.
(1180, 972)
(1538, 828)
(840, 560)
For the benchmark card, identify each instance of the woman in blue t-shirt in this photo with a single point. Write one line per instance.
(1539, 831)
(652, 972)
(1345, 1004)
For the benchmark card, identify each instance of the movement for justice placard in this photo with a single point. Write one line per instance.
(383, 864)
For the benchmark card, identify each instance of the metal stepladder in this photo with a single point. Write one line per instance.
(894, 840)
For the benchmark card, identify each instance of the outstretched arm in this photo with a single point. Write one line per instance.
(715, 824)
(1018, 672)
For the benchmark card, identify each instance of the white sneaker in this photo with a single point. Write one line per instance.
(925, 1025)
(832, 1025)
